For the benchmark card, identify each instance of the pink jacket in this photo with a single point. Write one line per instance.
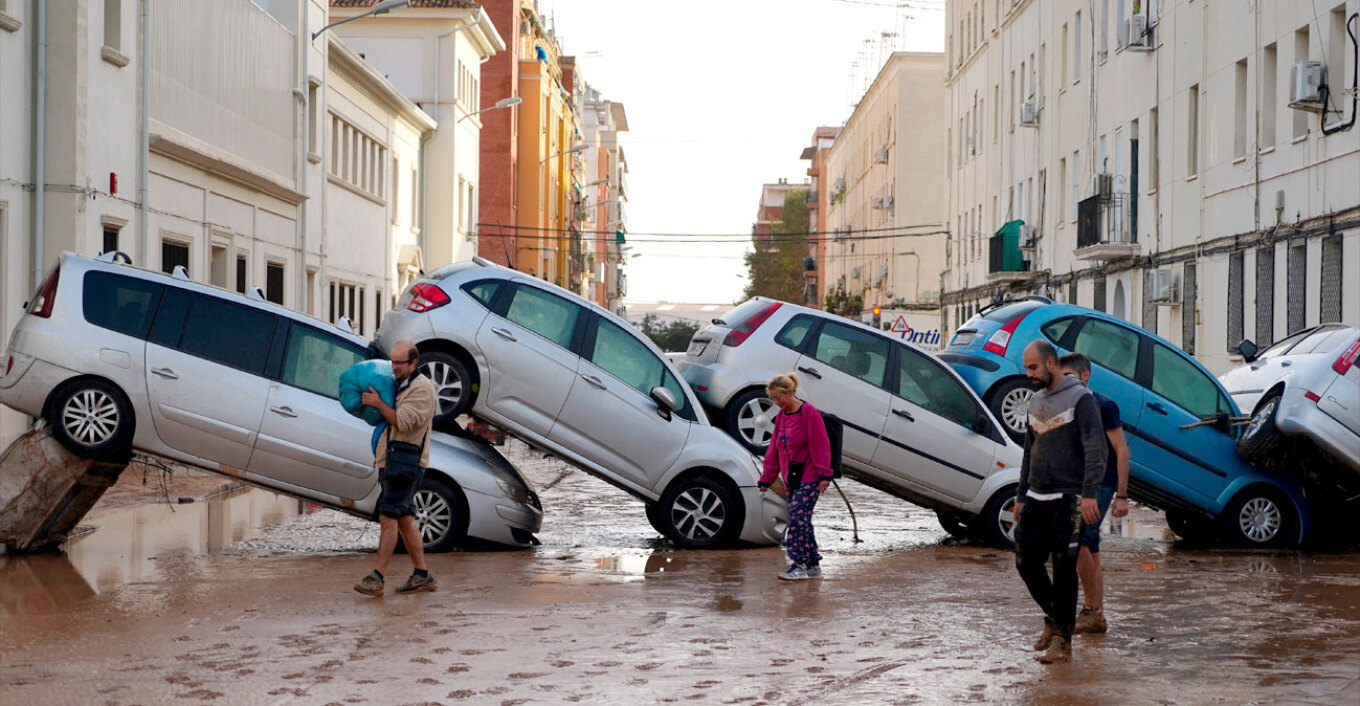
(799, 438)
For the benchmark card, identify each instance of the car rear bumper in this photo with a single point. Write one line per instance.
(402, 325)
(1299, 415)
(28, 385)
(716, 384)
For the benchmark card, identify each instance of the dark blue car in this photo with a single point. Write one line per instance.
(1178, 418)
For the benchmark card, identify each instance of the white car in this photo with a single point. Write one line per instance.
(571, 378)
(1306, 386)
(913, 428)
(119, 359)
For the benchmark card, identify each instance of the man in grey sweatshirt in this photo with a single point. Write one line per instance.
(1063, 466)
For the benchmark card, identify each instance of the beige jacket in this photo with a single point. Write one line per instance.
(415, 415)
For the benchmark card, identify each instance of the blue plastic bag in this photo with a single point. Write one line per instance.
(354, 382)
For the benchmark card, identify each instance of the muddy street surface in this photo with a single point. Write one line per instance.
(246, 599)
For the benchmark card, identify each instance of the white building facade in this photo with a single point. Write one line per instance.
(1142, 157)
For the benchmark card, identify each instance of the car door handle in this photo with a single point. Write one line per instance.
(1286, 363)
(593, 380)
(504, 333)
(166, 373)
(283, 412)
(810, 371)
(1157, 407)
(904, 414)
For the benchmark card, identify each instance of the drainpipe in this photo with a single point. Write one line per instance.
(40, 142)
(144, 148)
(300, 92)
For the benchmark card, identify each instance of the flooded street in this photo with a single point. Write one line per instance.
(246, 599)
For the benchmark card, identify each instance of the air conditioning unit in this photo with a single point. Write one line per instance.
(1306, 79)
(1029, 113)
(888, 202)
(1166, 286)
(840, 183)
(881, 155)
(877, 202)
(1104, 185)
(854, 273)
(1138, 33)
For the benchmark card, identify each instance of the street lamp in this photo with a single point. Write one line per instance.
(605, 181)
(381, 8)
(502, 103)
(579, 148)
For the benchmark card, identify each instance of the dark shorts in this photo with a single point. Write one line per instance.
(397, 499)
(1091, 537)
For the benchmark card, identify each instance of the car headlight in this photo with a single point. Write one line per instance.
(511, 485)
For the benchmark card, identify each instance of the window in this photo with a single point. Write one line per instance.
(1104, 29)
(1265, 296)
(113, 24)
(273, 282)
(794, 334)
(1066, 59)
(1055, 330)
(854, 352)
(1300, 55)
(1192, 133)
(1269, 69)
(1113, 347)
(227, 333)
(1076, 183)
(1076, 48)
(1296, 303)
(1154, 158)
(1240, 109)
(1189, 293)
(356, 159)
(314, 361)
(174, 253)
(241, 273)
(314, 126)
(1180, 381)
(1330, 306)
(547, 315)
(1339, 54)
(1062, 178)
(110, 240)
(921, 382)
(622, 355)
(1324, 340)
(1236, 319)
(122, 304)
(394, 202)
(484, 291)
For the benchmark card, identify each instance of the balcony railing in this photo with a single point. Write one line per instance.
(1005, 261)
(1104, 228)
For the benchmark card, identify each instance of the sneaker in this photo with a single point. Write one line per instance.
(1046, 638)
(795, 572)
(1091, 620)
(1059, 651)
(418, 583)
(814, 571)
(370, 585)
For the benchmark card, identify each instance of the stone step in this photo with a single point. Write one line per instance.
(45, 490)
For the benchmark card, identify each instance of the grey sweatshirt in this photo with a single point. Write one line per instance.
(1065, 448)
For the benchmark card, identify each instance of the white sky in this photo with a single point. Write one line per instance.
(722, 97)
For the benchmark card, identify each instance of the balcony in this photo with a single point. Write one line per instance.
(1005, 262)
(1106, 228)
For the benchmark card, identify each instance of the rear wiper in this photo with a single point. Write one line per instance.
(719, 322)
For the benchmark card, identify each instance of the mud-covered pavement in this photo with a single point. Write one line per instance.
(251, 603)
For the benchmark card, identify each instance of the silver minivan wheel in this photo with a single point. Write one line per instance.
(452, 384)
(700, 513)
(92, 418)
(750, 420)
(441, 514)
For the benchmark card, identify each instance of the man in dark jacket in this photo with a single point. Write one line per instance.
(1063, 466)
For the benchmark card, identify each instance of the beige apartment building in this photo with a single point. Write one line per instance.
(1191, 167)
(886, 202)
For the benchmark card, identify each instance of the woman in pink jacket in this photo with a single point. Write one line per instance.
(800, 454)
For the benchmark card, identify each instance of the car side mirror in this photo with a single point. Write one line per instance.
(665, 401)
(1223, 422)
(1248, 350)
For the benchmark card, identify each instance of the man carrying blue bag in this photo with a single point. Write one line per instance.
(402, 453)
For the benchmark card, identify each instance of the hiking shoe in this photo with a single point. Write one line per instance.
(814, 571)
(418, 583)
(1091, 620)
(795, 572)
(1059, 651)
(1046, 638)
(370, 585)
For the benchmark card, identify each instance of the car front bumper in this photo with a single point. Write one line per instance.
(770, 520)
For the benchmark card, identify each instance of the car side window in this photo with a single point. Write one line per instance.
(1113, 347)
(547, 315)
(923, 383)
(233, 335)
(795, 332)
(118, 303)
(618, 353)
(485, 291)
(854, 352)
(314, 361)
(1055, 330)
(1178, 380)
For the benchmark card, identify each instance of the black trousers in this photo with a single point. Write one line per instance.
(1051, 530)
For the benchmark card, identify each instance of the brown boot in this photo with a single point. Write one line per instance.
(1091, 620)
(1046, 638)
(1059, 651)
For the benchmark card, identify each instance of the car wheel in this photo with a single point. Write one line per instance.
(954, 524)
(657, 519)
(452, 383)
(750, 420)
(996, 524)
(1261, 439)
(93, 419)
(1261, 517)
(1189, 526)
(1009, 401)
(699, 513)
(441, 514)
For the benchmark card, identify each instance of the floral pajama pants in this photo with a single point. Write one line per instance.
(800, 542)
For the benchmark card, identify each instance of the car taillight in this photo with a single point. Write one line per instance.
(1002, 338)
(1347, 358)
(1315, 397)
(47, 296)
(10, 365)
(743, 330)
(426, 296)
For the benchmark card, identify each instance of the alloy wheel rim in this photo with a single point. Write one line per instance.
(1015, 409)
(434, 516)
(698, 514)
(1006, 519)
(1259, 420)
(1260, 519)
(90, 417)
(448, 387)
(755, 422)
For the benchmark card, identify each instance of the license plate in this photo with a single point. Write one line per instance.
(696, 347)
(961, 339)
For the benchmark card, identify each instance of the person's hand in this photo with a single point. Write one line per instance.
(1120, 507)
(823, 485)
(763, 486)
(1015, 511)
(371, 398)
(1090, 511)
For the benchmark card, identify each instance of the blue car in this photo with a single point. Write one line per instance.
(1178, 418)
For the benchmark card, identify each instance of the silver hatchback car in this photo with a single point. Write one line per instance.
(570, 377)
(912, 427)
(118, 359)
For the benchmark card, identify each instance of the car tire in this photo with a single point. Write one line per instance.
(750, 420)
(1190, 526)
(452, 384)
(700, 513)
(954, 524)
(996, 524)
(1261, 441)
(1009, 401)
(93, 419)
(1260, 517)
(657, 520)
(441, 514)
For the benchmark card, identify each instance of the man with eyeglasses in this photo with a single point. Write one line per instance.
(410, 422)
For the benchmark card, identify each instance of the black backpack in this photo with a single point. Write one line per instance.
(835, 431)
